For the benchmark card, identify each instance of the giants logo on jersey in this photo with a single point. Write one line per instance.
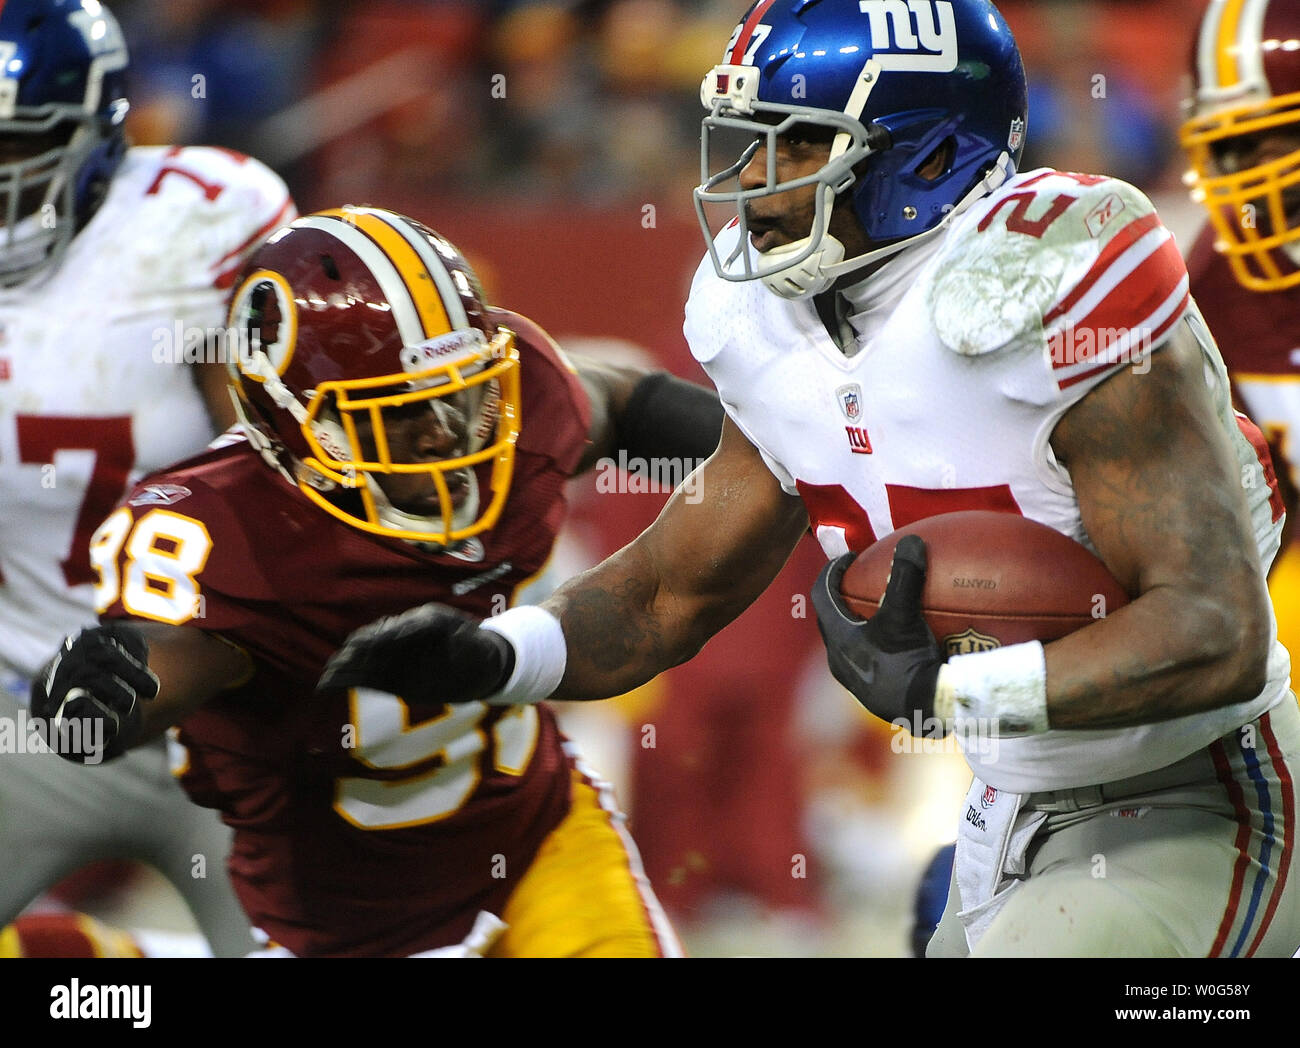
(933, 44)
(849, 399)
(859, 443)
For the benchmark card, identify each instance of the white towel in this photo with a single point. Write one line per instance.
(992, 839)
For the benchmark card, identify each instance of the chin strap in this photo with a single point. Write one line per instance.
(827, 264)
(812, 276)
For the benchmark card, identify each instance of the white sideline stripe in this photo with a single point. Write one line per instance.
(334, 111)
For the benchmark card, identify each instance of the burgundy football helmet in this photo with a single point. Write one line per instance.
(1242, 136)
(349, 324)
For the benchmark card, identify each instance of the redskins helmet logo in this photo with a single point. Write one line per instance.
(264, 319)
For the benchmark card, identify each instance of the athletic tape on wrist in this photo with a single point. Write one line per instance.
(1005, 688)
(540, 654)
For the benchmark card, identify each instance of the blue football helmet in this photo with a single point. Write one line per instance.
(62, 107)
(893, 82)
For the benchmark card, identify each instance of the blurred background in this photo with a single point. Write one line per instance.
(557, 145)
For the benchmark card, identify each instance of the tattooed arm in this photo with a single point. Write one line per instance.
(719, 542)
(1161, 498)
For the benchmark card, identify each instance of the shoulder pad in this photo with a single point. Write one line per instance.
(1018, 262)
(715, 307)
(207, 207)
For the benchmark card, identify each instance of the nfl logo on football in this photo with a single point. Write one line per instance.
(969, 641)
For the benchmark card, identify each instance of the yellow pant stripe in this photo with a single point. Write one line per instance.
(585, 894)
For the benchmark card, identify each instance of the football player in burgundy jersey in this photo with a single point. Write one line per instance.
(1242, 137)
(115, 263)
(901, 324)
(404, 443)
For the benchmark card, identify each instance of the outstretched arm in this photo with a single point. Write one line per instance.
(719, 542)
(647, 414)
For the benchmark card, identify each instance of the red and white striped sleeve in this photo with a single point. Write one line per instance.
(1123, 307)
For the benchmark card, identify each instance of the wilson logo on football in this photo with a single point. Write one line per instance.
(968, 642)
(916, 36)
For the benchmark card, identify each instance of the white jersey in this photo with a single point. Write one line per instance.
(970, 349)
(94, 388)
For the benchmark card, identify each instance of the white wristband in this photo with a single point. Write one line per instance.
(1004, 690)
(540, 654)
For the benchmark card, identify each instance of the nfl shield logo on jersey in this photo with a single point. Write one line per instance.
(850, 398)
(990, 797)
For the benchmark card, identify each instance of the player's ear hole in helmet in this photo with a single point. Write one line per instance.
(371, 375)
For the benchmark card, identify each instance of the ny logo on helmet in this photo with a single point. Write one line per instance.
(929, 48)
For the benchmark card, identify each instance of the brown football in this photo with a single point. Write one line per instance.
(992, 579)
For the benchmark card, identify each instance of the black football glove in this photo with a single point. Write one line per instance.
(87, 698)
(432, 653)
(891, 661)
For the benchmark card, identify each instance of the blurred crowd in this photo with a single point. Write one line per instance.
(595, 100)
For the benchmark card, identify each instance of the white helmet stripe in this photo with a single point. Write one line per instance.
(1207, 48)
(1230, 50)
(451, 299)
(1250, 38)
(390, 280)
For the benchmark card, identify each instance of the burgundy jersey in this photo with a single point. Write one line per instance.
(1259, 336)
(364, 824)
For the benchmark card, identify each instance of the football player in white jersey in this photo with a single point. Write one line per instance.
(901, 324)
(113, 267)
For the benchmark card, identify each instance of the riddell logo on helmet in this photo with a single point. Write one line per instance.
(918, 36)
(426, 355)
